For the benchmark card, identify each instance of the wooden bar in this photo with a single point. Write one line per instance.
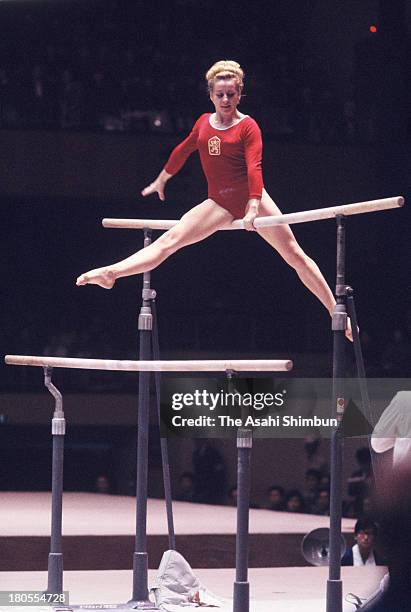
(199, 365)
(305, 216)
(155, 224)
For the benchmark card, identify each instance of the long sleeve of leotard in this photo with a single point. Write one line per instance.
(253, 152)
(182, 151)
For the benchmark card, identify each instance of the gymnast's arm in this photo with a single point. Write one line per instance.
(175, 162)
(253, 150)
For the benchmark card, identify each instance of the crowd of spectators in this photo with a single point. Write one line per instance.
(206, 485)
(121, 66)
(314, 498)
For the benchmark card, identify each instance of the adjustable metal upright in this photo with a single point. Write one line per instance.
(241, 594)
(339, 326)
(345, 301)
(58, 430)
(148, 345)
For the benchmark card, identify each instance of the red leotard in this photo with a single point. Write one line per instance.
(231, 161)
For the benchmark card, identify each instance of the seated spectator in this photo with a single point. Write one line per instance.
(312, 485)
(209, 473)
(186, 487)
(325, 480)
(276, 498)
(232, 496)
(102, 484)
(294, 501)
(360, 507)
(360, 483)
(322, 503)
(363, 552)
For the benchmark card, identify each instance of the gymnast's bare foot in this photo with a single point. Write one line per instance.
(104, 277)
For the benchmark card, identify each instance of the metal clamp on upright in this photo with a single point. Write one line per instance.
(145, 319)
(339, 318)
(244, 438)
(58, 422)
(148, 294)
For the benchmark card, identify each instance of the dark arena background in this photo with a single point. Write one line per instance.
(94, 95)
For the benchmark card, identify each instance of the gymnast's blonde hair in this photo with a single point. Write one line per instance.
(225, 69)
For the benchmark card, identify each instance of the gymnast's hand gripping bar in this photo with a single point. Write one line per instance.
(317, 214)
(197, 365)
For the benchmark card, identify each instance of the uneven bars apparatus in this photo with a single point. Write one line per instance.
(241, 593)
(305, 216)
(339, 326)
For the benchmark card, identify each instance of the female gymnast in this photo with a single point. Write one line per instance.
(230, 148)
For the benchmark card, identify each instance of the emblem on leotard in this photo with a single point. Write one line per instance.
(214, 146)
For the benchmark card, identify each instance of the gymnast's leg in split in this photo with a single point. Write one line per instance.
(282, 239)
(198, 223)
(202, 221)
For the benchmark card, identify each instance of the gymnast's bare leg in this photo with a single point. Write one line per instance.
(198, 223)
(283, 240)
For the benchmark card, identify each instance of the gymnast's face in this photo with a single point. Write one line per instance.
(225, 97)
